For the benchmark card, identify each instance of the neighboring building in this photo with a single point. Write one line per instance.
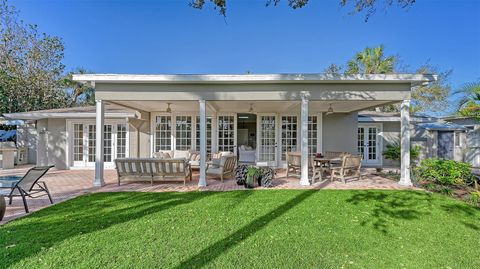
(149, 113)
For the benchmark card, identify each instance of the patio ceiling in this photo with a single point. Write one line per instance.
(258, 106)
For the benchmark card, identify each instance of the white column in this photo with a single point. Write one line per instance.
(304, 141)
(100, 118)
(202, 181)
(214, 132)
(405, 144)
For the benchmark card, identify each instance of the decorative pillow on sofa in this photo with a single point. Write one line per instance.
(181, 154)
(162, 155)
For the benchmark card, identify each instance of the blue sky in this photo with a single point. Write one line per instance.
(168, 36)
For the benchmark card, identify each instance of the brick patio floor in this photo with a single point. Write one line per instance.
(67, 184)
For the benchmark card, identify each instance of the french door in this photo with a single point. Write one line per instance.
(267, 139)
(369, 144)
(227, 133)
(290, 134)
(84, 143)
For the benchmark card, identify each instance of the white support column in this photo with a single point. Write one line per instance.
(405, 144)
(304, 142)
(214, 132)
(100, 119)
(202, 181)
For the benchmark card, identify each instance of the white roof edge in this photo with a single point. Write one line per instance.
(57, 115)
(254, 78)
(392, 119)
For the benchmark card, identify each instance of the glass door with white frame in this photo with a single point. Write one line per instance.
(289, 135)
(368, 144)
(227, 125)
(84, 143)
(267, 139)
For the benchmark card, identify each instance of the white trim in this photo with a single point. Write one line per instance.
(86, 122)
(380, 137)
(253, 78)
(70, 115)
(320, 132)
(393, 119)
(259, 137)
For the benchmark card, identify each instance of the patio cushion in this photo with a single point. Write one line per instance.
(181, 154)
(214, 170)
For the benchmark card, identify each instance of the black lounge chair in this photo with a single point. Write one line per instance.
(29, 185)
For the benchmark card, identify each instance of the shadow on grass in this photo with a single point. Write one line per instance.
(213, 251)
(465, 212)
(25, 237)
(389, 206)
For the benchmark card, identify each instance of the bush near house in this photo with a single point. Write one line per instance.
(448, 177)
(445, 172)
(393, 152)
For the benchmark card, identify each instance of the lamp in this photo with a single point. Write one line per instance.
(330, 110)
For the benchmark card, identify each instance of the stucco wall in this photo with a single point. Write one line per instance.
(340, 132)
(57, 143)
(27, 137)
(42, 142)
(391, 135)
(139, 132)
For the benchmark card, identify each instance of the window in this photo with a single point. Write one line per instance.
(289, 135)
(121, 140)
(107, 143)
(312, 135)
(183, 133)
(457, 139)
(209, 134)
(226, 133)
(91, 143)
(78, 142)
(163, 133)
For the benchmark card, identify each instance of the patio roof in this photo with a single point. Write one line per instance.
(255, 78)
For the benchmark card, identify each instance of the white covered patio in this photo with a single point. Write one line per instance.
(303, 112)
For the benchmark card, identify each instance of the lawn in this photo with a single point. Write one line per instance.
(248, 229)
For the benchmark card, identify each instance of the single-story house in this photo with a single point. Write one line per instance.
(271, 113)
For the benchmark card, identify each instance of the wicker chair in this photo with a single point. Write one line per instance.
(224, 167)
(350, 166)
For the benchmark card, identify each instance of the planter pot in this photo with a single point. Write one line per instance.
(3, 207)
(249, 183)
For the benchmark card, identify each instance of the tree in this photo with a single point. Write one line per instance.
(469, 103)
(80, 93)
(372, 60)
(369, 7)
(31, 65)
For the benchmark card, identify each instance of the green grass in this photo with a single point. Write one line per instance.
(247, 229)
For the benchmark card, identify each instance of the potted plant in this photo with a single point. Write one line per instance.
(252, 174)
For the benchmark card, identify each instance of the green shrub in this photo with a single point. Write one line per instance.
(446, 191)
(445, 172)
(473, 198)
(393, 152)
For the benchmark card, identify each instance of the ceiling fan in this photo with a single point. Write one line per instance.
(169, 109)
(330, 110)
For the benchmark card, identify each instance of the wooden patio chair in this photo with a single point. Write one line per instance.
(29, 186)
(350, 166)
(294, 165)
(226, 167)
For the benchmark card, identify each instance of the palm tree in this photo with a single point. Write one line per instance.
(79, 90)
(469, 103)
(371, 61)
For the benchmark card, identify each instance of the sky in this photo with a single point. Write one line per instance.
(168, 36)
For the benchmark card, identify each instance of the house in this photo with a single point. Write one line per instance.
(272, 113)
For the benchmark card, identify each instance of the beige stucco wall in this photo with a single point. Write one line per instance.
(139, 132)
(57, 143)
(340, 132)
(27, 137)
